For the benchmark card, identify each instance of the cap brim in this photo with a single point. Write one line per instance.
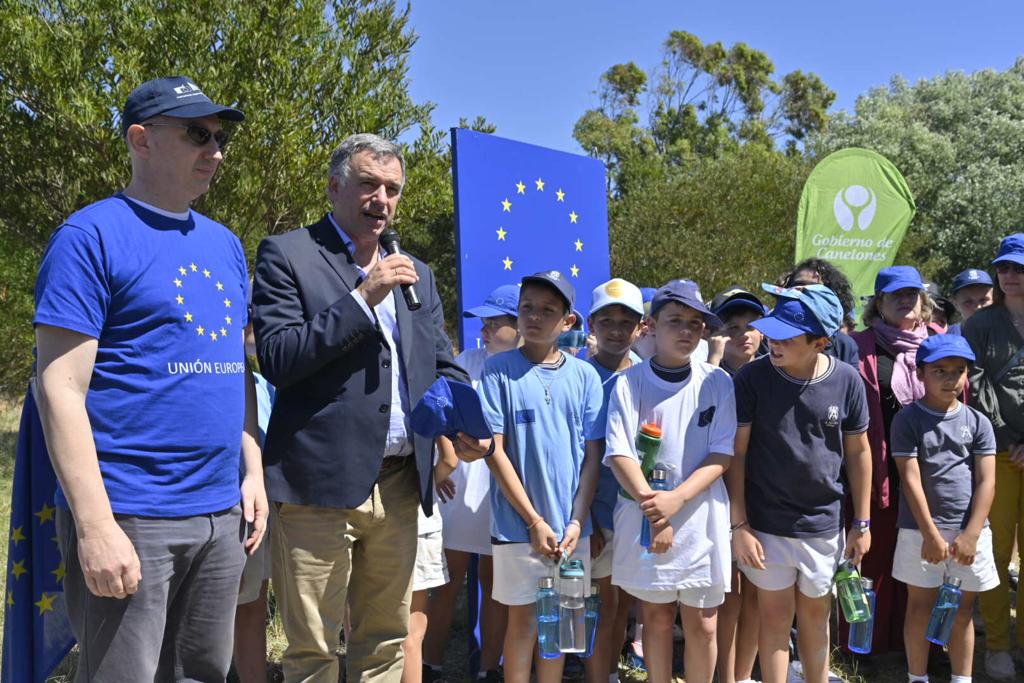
(740, 303)
(485, 312)
(198, 110)
(939, 354)
(773, 328)
(1015, 258)
(606, 304)
(901, 284)
(550, 285)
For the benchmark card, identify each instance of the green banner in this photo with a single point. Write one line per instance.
(854, 212)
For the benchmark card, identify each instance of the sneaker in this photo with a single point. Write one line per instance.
(999, 665)
(492, 676)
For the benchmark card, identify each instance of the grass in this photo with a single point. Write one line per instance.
(890, 668)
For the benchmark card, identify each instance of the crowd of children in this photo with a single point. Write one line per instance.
(783, 443)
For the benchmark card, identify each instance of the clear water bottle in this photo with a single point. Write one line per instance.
(940, 625)
(852, 598)
(592, 613)
(572, 627)
(547, 619)
(658, 483)
(862, 632)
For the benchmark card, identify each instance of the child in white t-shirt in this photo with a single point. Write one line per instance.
(689, 556)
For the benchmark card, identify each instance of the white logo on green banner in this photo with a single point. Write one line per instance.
(854, 212)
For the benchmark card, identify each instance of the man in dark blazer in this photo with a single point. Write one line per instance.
(343, 469)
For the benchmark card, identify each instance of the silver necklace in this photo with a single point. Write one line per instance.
(546, 385)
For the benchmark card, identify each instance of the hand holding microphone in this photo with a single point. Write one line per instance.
(394, 269)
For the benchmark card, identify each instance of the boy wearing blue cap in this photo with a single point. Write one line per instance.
(467, 516)
(944, 452)
(616, 310)
(802, 418)
(972, 291)
(541, 404)
(688, 559)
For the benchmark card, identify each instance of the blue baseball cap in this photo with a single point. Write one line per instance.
(817, 310)
(647, 295)
(502, 301)
(971, 276)
(554, 279)
(448, 407)
(898, 277)
(687, 293)
(939, 346)
(1011, 249)
(736, 297)
(175, 96)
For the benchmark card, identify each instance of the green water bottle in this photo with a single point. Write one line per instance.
(852, 597)
(648, 443)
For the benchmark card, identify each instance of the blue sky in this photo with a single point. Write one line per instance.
(532, 67)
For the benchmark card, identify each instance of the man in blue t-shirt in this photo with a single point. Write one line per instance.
(147, 400)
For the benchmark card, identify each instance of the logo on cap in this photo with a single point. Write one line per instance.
(798, 316)
(188, 88)
(614, 288)
(855, 198)
(554, 274)
(973, 275)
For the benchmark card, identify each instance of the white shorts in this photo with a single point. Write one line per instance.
(908, 567)
(518, 571)
(256, 571)
(808, 562)
(431, 569)
(701, 597)
(601, 566)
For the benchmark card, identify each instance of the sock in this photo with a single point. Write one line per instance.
(436, 668)
(917, 679)
(960, 679)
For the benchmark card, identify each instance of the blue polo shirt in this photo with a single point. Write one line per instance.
(166, 300)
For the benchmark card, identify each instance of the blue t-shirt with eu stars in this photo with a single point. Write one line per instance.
(166, 300)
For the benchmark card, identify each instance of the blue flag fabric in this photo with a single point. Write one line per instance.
(37, 633)
(521, 209)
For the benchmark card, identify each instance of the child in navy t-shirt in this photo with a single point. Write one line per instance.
(801, 444)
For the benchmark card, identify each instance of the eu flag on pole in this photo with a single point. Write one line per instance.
(521, 209)
(37, 633)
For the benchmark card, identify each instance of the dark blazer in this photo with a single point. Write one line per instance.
(332, 366)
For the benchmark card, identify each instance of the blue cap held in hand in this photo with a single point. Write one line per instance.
(813, 309)
(898, 277)
(502, 301)
(939, 346)
(448, 407)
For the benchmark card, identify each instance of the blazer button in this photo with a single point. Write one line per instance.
(384, 407)
(386, 364)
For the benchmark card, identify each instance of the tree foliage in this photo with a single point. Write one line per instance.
(703, 100)
(957, 139)
(307, 73)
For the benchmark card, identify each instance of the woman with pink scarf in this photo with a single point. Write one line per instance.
(897, 319)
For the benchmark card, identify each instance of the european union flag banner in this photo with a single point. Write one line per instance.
(37, 633)
(521, 209)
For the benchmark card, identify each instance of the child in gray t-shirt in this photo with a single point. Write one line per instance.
(943, 451)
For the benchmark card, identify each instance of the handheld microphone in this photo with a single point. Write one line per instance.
(389, 243)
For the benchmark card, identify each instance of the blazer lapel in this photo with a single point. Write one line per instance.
(404, 316)
(332, 248)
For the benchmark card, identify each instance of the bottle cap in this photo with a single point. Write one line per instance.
(846, 567)
(547, 582)
(594, 589)
(952, 581)
(867, 583)
(650, 429)
(658, 474)
(572, 569)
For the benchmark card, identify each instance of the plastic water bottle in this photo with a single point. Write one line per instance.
(648, 443)
(946, 605)
(658, 483)
(547, 619)
(572, 627)
(862, 632)
(592, 613)
(852, 598)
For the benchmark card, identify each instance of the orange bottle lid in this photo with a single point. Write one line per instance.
(651, 429)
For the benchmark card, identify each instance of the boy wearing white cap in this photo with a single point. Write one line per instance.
(616, 310)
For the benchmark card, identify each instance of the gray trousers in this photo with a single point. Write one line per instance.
(179, 625)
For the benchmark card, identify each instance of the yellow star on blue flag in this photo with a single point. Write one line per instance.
(560, 205)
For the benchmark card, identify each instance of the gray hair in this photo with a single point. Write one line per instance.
(361, 142)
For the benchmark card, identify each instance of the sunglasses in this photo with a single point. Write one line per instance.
(198, 134)
(1005, 267)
